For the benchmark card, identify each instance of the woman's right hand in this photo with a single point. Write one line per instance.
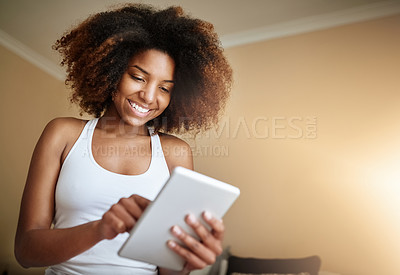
(122, 216)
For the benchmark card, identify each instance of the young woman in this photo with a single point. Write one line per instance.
(142, 73)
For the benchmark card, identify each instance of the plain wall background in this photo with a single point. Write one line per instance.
(336, 195)
(29, 99)
(311, 135)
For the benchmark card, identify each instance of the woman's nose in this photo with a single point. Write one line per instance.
(148, 94)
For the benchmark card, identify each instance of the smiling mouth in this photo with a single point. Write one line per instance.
(138, 108)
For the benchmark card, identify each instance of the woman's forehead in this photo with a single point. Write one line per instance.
(154, 62)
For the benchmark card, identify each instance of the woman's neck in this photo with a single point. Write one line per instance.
(113, 124)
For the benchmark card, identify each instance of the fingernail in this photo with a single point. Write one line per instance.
(171, 244)
(176, 230)
(207, 215)
(191, 219)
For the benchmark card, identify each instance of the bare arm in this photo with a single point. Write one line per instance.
(36, 244)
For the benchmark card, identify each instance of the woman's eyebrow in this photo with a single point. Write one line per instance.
(141, 69)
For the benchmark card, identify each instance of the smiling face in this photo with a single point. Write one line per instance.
(144, 91)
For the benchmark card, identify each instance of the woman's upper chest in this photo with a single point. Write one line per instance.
(128, 155)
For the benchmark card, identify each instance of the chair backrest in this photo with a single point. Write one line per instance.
(310, 265)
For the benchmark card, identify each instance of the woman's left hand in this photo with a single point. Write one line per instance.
(199, 253)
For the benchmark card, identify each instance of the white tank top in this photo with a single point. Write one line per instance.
(85, 191)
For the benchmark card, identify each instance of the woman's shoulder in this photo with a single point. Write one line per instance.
(65, 125)
(170, 140)
(61, 133)
(63, 129)
(177, 152)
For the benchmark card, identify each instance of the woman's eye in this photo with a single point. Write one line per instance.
(137, 78)
(164, 89)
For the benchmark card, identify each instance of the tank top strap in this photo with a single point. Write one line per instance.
(92, 124)
(151, 130)
(156, 148)
(89, 131)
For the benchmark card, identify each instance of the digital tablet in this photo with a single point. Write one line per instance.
(186, 192)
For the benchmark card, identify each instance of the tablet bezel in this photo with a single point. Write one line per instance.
(185, 192)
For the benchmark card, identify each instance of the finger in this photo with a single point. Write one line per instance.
(131, 207)
(217, 225)
(142, 202)
(112, 225)
(194, 246)
(188, 256)
(207, 238)
(125, 219)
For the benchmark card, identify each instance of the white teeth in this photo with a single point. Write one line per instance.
(137, 107)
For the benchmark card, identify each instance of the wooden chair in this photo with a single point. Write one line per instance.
(310, 265)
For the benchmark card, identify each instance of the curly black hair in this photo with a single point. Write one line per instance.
(98, 50)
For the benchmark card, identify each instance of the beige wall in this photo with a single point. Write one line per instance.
(29, 99)
(336, 195)
(311, 136)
